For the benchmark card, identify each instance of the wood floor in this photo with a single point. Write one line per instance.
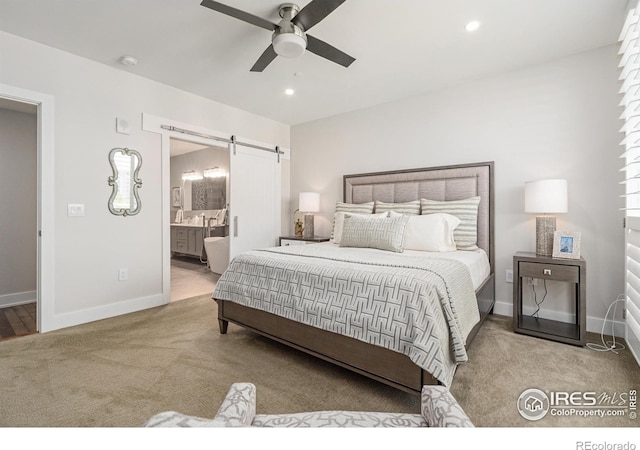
(189, 277)
(17, 321)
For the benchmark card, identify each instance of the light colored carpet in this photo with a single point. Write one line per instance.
(502, 364)
(118, 372)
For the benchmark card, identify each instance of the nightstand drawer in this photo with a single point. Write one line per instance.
(287, 242)
(550, 271)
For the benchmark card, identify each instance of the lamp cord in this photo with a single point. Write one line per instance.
(609, 346)
(535, 298)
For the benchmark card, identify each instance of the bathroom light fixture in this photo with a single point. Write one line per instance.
(289, 91)
(214, 172)
(545, 197)
(128, 61)
(472, 26)
(191, 175)
(308, 202)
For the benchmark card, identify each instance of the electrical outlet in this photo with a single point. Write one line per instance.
(532, 281)
(509, 276)
(123, 274)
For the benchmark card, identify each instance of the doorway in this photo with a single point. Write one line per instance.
(46, 319)
(199, 185)
(19, 223)
(246, 211)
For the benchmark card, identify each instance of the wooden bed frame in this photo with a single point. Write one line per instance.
(387, 366)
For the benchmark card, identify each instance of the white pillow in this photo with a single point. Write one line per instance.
(338, 224)
(466, 210)
(431, 233)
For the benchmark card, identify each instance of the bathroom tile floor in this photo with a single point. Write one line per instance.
(189, 278)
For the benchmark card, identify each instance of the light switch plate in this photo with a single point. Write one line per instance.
(75, 210)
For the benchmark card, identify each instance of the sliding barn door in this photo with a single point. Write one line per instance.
(254, 201)
(630, 76)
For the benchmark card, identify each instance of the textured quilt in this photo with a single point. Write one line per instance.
(421, 307)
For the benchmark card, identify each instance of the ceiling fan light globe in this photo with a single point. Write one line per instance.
(289, 45)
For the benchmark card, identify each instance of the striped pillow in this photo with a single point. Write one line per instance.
(410, 208)
(465, 234)
(374, 231)
(357, 208)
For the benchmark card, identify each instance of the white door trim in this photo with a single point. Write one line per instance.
(46, 199)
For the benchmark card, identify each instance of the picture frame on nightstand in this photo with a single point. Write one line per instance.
(566, 244)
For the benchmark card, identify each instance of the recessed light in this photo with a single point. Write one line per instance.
(472, 26)
(289, 91)
(128, 61)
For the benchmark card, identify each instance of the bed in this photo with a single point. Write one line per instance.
(401, 318)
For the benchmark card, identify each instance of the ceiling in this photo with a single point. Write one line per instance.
(402, 47)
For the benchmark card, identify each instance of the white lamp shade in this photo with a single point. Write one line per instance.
(309, 202)
(289, 45)
(546, 196)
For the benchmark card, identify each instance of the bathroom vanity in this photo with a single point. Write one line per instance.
(187, 240)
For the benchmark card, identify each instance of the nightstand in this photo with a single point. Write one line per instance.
(543, 267)
(299, 240)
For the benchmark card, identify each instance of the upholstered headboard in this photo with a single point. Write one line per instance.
(434, 183)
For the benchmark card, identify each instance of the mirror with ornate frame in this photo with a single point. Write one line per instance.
(124, 200)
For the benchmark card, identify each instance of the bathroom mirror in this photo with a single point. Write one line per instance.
(124, 200)
(209, 194)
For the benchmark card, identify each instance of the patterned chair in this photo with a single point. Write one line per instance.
(439, 409)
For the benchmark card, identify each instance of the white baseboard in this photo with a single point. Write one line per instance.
(18, 298)
(59, 321)
(594, 324)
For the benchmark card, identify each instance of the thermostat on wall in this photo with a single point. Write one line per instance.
(123, 126)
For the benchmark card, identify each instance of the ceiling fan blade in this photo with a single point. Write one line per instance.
(265, 59)
(314, 12)
(329, 52)
(244, 16)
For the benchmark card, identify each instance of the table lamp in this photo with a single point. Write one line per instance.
(308, 202)
(545, 197)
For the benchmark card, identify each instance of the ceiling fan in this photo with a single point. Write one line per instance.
(290, 38)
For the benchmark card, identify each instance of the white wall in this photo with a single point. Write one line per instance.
(556, 120)
(88, 98)
(18, 207)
